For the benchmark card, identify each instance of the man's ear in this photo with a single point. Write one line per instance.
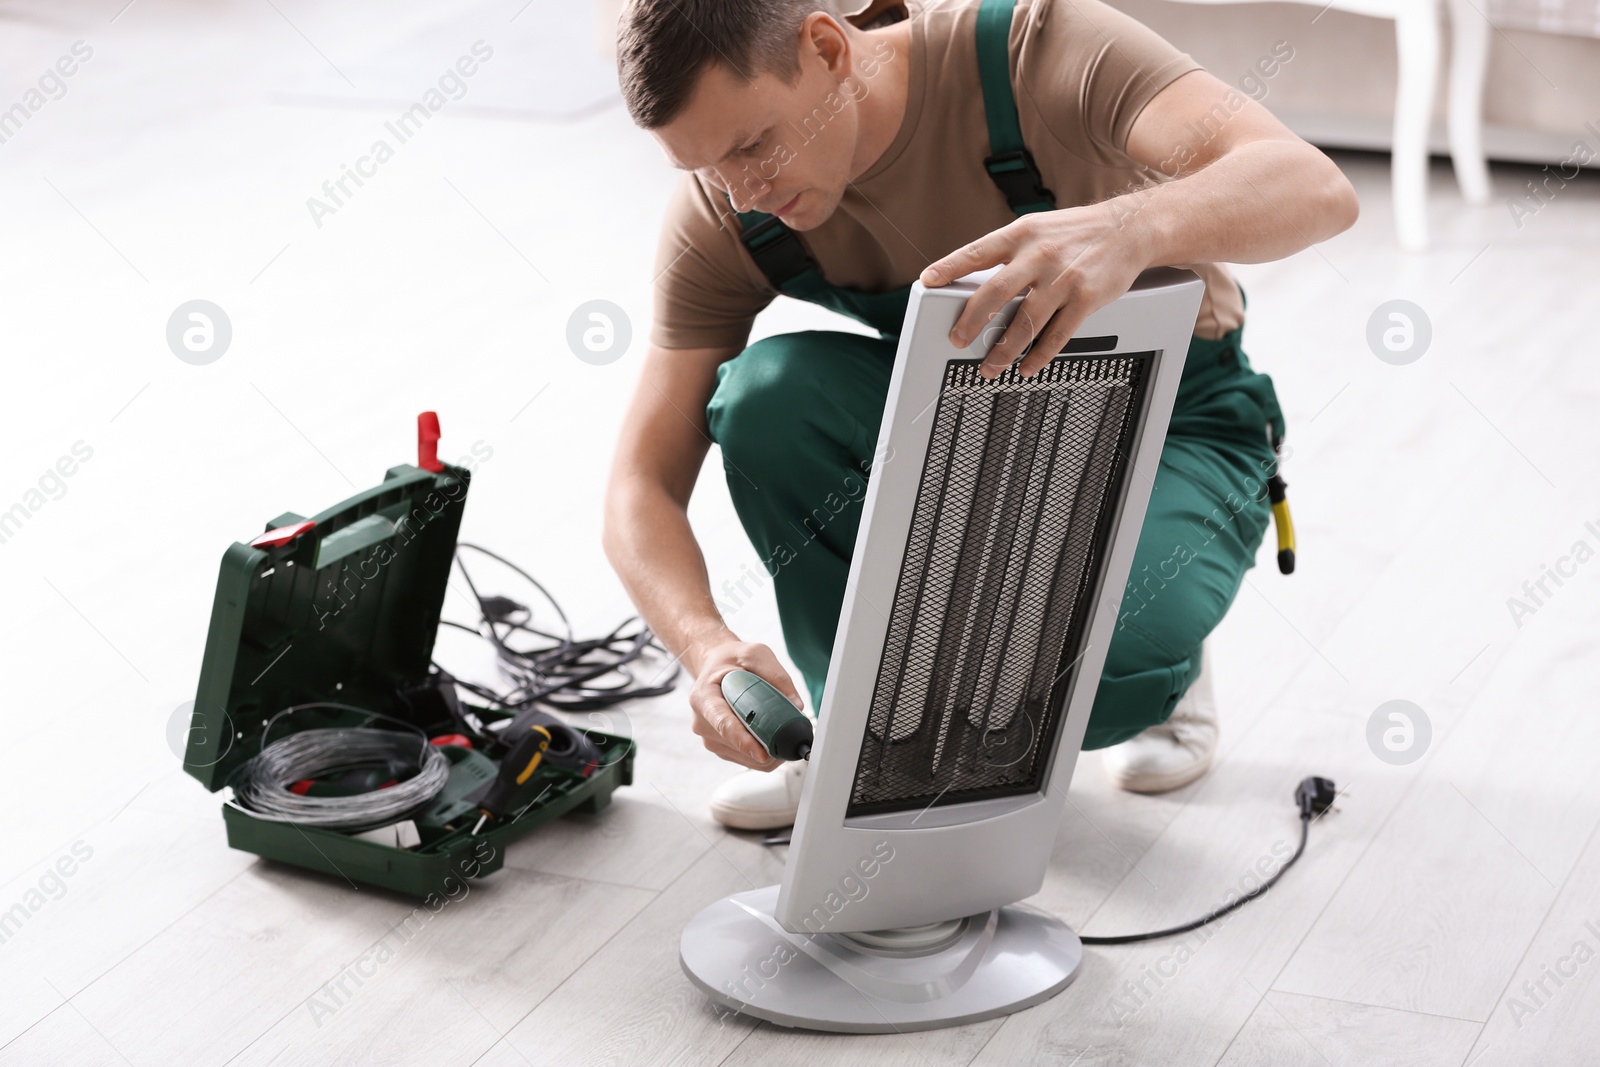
(821, 35)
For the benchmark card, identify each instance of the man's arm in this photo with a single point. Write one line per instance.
(1251, 193)
(653, 550)
(1246, 191)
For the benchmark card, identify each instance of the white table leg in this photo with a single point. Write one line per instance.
(1469, 58)
(1416, 29)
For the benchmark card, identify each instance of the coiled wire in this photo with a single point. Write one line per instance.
(559, 670)
(261, 785)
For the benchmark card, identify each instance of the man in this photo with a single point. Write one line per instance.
(886, 137)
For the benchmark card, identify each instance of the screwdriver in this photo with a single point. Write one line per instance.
(783, 729)
(515, 769)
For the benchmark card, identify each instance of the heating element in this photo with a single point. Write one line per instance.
(1011, 519)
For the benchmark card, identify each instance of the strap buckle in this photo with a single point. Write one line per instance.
(776, 250)
(1019, 179)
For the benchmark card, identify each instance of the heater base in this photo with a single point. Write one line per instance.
(986, 965)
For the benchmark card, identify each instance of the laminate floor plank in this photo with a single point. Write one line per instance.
(1294, 1031)
(281, 967)
(630, 1003)
(1547, 1010)
(1438, 913)
(459, 979)
(212, 983)
(62, 1039)
(781, 1047)
(97, 900)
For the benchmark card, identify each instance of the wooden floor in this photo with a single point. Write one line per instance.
(1447, 914)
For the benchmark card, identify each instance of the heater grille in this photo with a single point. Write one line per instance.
(1012, 518)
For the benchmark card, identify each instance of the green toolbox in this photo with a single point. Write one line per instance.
(335, 617)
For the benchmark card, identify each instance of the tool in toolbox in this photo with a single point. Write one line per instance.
(515, 769)
(471, 772)
(536, 738)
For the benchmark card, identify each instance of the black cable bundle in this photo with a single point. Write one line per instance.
(557, 670)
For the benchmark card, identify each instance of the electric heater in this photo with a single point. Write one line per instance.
(997, 533)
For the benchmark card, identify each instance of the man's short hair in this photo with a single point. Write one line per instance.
(663, 46)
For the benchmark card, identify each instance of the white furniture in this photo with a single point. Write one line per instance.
(1416, 27)
(1469, 60)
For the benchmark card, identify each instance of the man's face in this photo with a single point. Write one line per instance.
(767, 143)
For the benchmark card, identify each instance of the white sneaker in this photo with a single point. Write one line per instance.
(1174, 753)
(760, 800)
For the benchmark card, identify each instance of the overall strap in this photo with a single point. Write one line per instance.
(1010, 165)
(775, 248)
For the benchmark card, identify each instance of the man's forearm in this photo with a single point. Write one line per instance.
(653, 550)
(1262, 201)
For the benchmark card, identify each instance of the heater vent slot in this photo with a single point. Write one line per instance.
(1012, 518)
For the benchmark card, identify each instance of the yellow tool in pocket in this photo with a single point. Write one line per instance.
(1277, 493)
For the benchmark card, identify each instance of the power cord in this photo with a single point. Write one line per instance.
(556, 670)
(1314, 796)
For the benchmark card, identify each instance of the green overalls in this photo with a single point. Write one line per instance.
(797, 418)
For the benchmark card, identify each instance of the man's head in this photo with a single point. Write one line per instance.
(760, 98)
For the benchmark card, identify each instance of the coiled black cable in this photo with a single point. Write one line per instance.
(557, 670)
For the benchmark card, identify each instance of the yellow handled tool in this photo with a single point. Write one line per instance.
(1277, 494)
(526, 754)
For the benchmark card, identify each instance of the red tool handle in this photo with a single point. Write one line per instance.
(282, 535)
(428, 442)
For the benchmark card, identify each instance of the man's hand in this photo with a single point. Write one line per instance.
(724, 735)
(1072, 262)
(1221, 180)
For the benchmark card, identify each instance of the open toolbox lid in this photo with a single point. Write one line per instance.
(342, 607)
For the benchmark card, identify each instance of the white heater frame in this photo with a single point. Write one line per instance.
(957, 860)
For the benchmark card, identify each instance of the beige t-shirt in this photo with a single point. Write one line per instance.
(1081, 73)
